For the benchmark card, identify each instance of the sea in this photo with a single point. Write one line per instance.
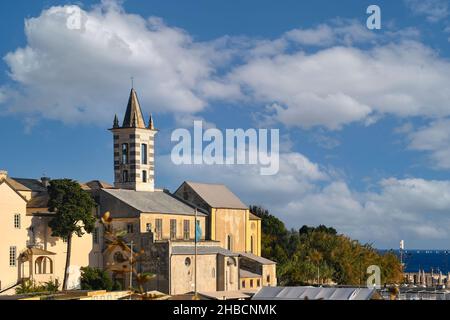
(427, 260)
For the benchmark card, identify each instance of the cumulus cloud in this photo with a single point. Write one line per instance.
(433, 10)
(340, 85)
(77, 74)
(435, 139)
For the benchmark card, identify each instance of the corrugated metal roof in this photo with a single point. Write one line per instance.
(202, 250)
(217, 195)
(152, 202)
(313, 293)
(256, 258)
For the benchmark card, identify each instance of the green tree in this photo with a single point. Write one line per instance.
(314, 254)
(73, 214)
(95, 279)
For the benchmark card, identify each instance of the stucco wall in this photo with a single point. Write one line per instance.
(183, 275)
(230, 222)
(10, 204)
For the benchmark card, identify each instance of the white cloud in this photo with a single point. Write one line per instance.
(434, 10)
(80, 75)
(435, 139)
(340, 85)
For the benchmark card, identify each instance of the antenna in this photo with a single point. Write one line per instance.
(132, 82)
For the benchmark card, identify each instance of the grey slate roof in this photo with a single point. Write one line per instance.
(247, 274)
(217, 195)
(152, 202)
(256, 258)
(202, 250)
(30, 184)
(314, 293)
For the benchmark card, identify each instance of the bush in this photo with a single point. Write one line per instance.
(30, 286)
(95, 279)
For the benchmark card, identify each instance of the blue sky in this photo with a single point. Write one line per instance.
(363, 115)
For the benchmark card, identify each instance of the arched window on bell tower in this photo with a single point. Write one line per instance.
(125, 176)
(125, 153)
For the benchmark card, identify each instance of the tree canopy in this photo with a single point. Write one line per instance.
(72, 207)
(314, 255)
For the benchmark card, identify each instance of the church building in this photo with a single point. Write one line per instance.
(161, 225)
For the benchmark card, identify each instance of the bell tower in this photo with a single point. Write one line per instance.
(134, 149)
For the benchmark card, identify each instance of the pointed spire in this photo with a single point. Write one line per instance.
(133, 116)
(116, 122)
(151, 124)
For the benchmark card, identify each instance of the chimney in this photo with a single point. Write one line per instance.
(3, 175)
(45, 181)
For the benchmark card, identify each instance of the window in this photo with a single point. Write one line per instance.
(173, 229)
(186, 229)
(95, 235)
(144, 176)
(252, 249)
(125, 176)
(243, 284)
(258, 283)
(268, 279)
(17, 221)
(144, 154)
(229, 243)
(125, 153)
(148, 227)
(130, 228)
(187, 262)
(213, 272)
(251, 283)
(12, 256)
(158, 229)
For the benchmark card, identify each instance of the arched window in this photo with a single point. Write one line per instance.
(229, 243)
(125, 176)
(43, 265)
(252, 248)
(125, 153)
(144, 154)
(213, 272)
(144, 176)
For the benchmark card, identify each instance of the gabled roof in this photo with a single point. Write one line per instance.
(7, 182)
(152, 202)
(16, 185)
(97, 184)
(217, 195)
(256, 258)
(30, 184)
(133, 116)
(254, 217)
(202, 250)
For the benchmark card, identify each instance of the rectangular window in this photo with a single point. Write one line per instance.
(173, 229)
(186, 229)
(17, 221)
(95, 236)
(148, 227)
(159, 229)
(125, 153)
(251, 283)
(130, 228)
(258, 283)
(12, 256)
(144, 154)
(144, 176)
(243, 284)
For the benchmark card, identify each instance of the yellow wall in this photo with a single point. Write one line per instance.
(151, 218)
(254, 230)
(232, 222)
(10, 204)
